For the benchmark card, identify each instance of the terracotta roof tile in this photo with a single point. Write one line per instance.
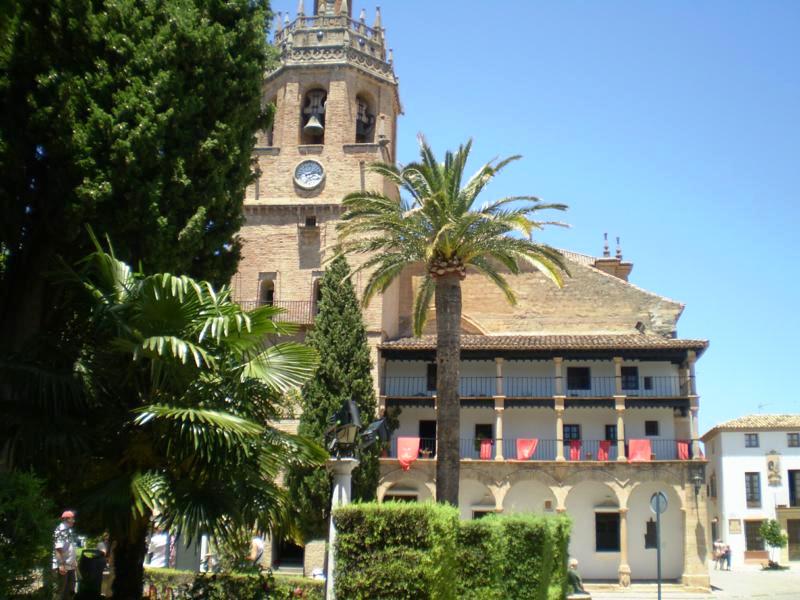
(551, 342)
(756, 422)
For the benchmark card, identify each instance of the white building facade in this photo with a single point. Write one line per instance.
(753, 476)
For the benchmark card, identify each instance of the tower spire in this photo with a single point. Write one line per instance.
(301, 9)
(377, 25)
(619, 249)
(278, 23)
(343, 8)
(606, 253)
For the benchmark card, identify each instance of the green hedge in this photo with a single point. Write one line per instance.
(243, 586)
(422, 551)
(395, 551)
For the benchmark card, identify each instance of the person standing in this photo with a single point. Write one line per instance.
(65, 556)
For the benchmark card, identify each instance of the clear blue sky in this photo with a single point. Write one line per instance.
(673, 124)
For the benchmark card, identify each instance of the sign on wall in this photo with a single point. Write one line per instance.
(774, 468)
(734, 526)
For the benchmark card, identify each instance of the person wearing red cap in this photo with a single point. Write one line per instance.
(65, 556)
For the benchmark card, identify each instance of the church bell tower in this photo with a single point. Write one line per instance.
(337, 103)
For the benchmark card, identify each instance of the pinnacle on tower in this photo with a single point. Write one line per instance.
(362, 16)
(301, 9)
(619, 249)
(278, 23)
(343, 8)
(606, 253)
(377, 24)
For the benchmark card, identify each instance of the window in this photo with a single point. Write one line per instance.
(606, 531)
(400, 498)
(793, 440)
(712, 486)
(365, 121)
(266, 292)
(572, 432)
(311, 222)
(317, 291)
(611, 433)
(630, 378)
(312, 117)
(648, 382)
(483, 431)
(650, 534)
(752, 536)
(479, 514)
(427, 438)
(714, 530)
(794, 488)
(579, 378)
(430, 378)
(651, 427)
(751, 440)
(752, 485)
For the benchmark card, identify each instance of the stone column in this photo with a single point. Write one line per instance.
(498, 380)
(624, 569)
(618, 375)
(558, 363)
(693, 410)
(499, 407)
(342, 469)
(559, 405)
(619, 404)
(696, 543)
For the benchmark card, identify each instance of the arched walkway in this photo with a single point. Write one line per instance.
(642, 560)
(593, 507)
(529, 497)
(474, 496)
(405, 488)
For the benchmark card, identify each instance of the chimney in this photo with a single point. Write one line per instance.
(613, 266)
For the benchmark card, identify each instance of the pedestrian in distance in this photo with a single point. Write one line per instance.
(65, 556)
(727, 557)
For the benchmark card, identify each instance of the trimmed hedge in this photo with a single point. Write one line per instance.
(399, 551)
(243, 586)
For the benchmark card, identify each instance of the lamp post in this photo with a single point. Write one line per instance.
(342, 469)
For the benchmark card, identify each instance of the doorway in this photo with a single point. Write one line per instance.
(793, 529)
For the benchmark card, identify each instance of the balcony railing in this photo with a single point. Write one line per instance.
(541, 387)
(546, 450)
(295, 311)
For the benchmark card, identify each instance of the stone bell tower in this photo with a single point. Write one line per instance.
(337, 104)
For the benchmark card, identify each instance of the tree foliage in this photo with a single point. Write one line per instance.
(166, 411)
(772, 535)
(439, 225)
(344, 373)
(135, 116)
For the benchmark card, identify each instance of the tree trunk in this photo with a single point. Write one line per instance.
(129, 556)
(448, 350)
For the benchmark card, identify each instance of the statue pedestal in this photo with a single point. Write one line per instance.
(342, 469)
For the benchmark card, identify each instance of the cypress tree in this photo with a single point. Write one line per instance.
(344, 373)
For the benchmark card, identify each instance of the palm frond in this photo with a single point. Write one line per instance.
(422, 303)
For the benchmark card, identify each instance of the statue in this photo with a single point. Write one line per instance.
(774, 468)
(575, 590)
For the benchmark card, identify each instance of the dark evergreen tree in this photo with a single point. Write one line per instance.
(344, 373)
(137, 117)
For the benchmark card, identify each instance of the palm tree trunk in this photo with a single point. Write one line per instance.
(129, 556)
(448, 350)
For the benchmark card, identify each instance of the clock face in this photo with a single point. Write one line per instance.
(309, 174)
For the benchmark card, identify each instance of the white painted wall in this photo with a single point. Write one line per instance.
(641, 560)
(731, 460)
(581, 503)
(473, 495)
(528, 497)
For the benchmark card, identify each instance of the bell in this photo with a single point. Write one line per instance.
(313, 127)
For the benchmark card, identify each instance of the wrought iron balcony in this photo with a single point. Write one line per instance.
(294, 311)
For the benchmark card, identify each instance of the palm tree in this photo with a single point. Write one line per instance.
(438, 224)
(174, 389)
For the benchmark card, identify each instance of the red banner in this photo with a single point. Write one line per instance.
(407, 451)
(526, 448)
(683, 450)
(486, 449)
(574, 449)
(603, 450)
(639, 450)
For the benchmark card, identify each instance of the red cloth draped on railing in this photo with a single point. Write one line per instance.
(639, 450)
(526, 448)
(407, 451)
(574, 449)
(683, 449)
(602, 451)
(486, 449)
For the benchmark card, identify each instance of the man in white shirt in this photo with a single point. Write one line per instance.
(158, 549)
(65, 556)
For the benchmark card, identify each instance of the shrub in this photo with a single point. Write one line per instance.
(242, 586)
(401, 551)
(26, 532)
(395, 550)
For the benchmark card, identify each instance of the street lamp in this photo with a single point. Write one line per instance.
(697, 475)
